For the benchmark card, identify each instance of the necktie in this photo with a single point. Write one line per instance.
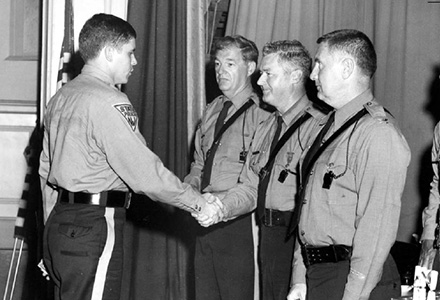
(265, 174)
(207, 169)
(304, 169)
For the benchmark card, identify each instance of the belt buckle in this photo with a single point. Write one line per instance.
(335, 254)
(268, 220)
(305, 255)
(128, 200)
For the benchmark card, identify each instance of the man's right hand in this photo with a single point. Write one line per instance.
(212, 211)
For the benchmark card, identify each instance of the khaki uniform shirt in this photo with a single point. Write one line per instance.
(235, 141)
(92, 144)
(362, 206)
(430, 212)
(280, 195)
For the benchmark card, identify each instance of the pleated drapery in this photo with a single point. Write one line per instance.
(159, 239)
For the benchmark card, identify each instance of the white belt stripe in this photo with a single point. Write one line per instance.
(104, 260)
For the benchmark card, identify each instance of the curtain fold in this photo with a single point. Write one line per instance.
(195, 63)
(159, 239)
(405, 34)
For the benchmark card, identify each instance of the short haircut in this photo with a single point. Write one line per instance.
(291, 56)
(249, 50)
(102, 30)
(354, 43)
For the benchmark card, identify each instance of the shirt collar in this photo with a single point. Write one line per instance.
(242, 97)
(295, 110)
(98, 73)
(352, 107)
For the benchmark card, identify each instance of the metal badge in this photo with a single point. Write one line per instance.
(243, 155)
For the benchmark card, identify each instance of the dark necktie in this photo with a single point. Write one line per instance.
(304, 169)
(265, 176)
(207, 169)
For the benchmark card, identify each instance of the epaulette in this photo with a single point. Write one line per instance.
(378, 112)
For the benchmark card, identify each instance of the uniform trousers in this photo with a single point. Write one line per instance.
(327, 281)
(83, 251)
(224, 261)
(275, 262)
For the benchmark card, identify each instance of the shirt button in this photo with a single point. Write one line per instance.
(311, 172)
(304, 201)
(303, 232)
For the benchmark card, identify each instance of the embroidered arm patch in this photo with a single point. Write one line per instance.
(128, 112)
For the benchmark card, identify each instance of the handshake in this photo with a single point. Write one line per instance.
(211, 213)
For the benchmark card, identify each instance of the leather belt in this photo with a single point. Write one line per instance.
(104, 199)
(332, 253)
(274, 217)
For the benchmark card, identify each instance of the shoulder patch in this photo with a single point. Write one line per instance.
(128, 112)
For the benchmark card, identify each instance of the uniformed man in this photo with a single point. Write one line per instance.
(352, 179)
(93, 153)
(285, 69)
(224, 255)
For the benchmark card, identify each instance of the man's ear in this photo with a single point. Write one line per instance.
(108, 52)
(348, 65)
(251, 66)
(296, 76)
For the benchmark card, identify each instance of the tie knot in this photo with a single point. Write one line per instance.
(279, 120)
(331, 119)
(227, 104)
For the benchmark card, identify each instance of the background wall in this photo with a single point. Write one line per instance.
(19, 49)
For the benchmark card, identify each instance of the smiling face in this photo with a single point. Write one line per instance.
(275, 83)
(327, 74)
(123, 61)
(231, 71)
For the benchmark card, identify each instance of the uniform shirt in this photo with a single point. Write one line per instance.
(280, 195)
(430, 212)
(361, 208)
(92, 144)
(235, 141)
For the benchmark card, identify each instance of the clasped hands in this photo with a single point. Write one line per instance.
(211, 212)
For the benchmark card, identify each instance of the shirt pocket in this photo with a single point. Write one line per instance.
(342, 186)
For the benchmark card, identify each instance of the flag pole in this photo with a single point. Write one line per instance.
(17, 264)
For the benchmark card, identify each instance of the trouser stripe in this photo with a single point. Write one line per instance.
(104, 260)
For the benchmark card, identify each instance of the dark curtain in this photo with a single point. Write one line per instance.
(158, 238)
